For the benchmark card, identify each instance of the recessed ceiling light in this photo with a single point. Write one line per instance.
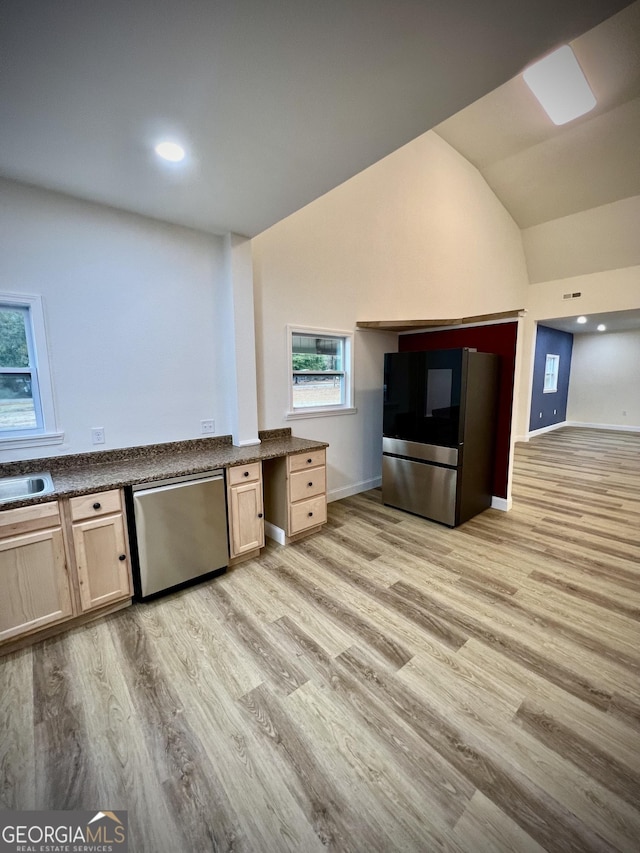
(170, 151)
(581, 320)
(559, 84)
(601, 327)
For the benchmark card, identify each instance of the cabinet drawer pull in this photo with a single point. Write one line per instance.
(310, 514)
(309, 484)
(122, 557)
(246, 473)
(309, 461)
(96, 505)
(259, 515)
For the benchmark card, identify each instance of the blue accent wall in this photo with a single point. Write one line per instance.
(552, 405)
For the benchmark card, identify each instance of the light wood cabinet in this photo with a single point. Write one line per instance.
(59, 562)
(296, 493)
(246, 510)
(33, 570)
(100, 547)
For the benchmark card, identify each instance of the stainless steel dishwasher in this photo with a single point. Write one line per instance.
(179, 532)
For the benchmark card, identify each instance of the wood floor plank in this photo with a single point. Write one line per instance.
(485, 828)
(259, 791)
(341, 576)
(263, 581)
(17, 747)
(391, 800)
(282, 674)
(389, 684)
(617, 636)
(442, 787)
(458, 682)
(499, 634)
(387, 647)
(65, 767)
(561, 736)
(509, 745)
(600, 593)
(235, 671)
(596, 725)
(198, 801)
(116, 733)
(544, 818)
(321, 800)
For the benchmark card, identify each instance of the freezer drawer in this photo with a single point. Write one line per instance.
(421, 488)
(421, 452)
(181, 532)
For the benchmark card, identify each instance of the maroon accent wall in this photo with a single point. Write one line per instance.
(500, 339)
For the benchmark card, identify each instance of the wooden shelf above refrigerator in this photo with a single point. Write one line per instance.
(417, 325)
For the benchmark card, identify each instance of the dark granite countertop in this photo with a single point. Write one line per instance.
(84, 473)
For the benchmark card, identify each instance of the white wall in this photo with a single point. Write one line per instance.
(595, 252)
(417, 235)
(602, 238)
(130, 304)
(611, 290)
(605, 379)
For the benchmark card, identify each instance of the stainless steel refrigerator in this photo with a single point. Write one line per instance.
(439, 426)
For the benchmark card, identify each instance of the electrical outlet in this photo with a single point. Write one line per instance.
(624, 414)
(208, 427)
(97, 435)
(555, 411)
(540, 414)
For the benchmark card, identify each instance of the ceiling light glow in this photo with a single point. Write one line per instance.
(559, 84)
(602, 328)
(581, 320)
(170, 151)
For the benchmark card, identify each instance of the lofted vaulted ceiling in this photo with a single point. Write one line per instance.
(279, 101)
(541, 172)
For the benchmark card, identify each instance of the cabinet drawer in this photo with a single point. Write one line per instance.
(100, 503)
(307, 484)
(307, 514)
(26, 518)
(243, 473)
(299, 461)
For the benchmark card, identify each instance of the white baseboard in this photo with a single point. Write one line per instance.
(354, 489)
(613, 427)
(503, 504)
(275, 533)
(550, 428)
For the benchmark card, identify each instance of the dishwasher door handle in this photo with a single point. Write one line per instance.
(164, 487)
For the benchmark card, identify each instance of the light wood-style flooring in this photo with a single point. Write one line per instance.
(387, 685)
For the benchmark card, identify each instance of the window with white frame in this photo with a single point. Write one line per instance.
(321, 371)
(26, 404)
(551, 366)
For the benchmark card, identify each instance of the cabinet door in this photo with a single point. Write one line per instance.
(34, 582)
(246, 516)
(102, 561)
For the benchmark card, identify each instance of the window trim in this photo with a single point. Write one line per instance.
(554, 373)
(45, 433)
(347, 406)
